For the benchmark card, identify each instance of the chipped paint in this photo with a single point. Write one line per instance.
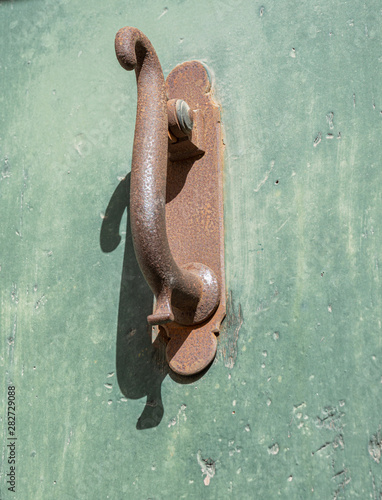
(207, 466)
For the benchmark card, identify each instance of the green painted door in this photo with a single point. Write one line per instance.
(291, 407)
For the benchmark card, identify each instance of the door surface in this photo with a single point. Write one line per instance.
(291, 407)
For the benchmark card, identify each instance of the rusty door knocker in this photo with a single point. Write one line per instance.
(176, 201)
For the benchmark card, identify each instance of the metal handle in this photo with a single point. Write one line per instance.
(189, 294)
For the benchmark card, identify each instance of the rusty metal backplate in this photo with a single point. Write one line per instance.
(194, 211)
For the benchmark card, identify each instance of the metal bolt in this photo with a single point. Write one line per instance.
(184, 116)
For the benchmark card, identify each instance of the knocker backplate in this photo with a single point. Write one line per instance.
(194, 212)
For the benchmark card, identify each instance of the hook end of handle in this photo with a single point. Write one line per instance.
(163, 313)
(125, 41)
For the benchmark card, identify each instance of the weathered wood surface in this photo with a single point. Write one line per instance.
(292, 406)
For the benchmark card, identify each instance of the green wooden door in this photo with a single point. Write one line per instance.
(291, 407)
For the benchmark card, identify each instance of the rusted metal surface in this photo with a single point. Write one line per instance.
(182, 296)
(194, 211)
(176, 206)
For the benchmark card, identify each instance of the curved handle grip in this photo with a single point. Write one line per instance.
(191, 294)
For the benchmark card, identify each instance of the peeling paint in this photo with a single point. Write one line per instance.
(207, 466)
(375, 446)
(229, 335)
